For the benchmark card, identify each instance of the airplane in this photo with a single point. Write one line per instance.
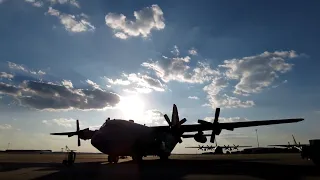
(295, 145)
(218, 149)
(126, 138)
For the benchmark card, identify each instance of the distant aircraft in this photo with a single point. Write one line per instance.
(127, 138)
(294, 145)
(217, 148)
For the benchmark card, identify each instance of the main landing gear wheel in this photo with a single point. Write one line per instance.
(164, 157)
(113, 159)
(137, 158)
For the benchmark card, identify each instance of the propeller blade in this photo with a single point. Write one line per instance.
(167, 119)
(79, 144)
(78, 127)
(64, 133)
(213, 136)
(175, 115)
(216, 116)
(182, 121)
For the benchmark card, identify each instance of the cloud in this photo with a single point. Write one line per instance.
(193, 51)
(67, 123)
(24, 69)
(177, 69)
(175, 50)
(154, 117)
(9, 89)
(71, 2)
(35, 3)
(67, 83)
(72, 23)
(216, 99)
(5, 126)
(6, 75)
(121, 35)
(93, 84)
(226, 120)
(141, 83)
(257, 72)
(147, 19)
(49, 96)
(193, 97)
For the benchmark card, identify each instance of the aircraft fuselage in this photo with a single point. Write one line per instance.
(124, 138)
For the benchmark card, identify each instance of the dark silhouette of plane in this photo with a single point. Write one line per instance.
(127, 138)
(295, 145)
(217, 149)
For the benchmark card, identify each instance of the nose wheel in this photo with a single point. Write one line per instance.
(113, 159)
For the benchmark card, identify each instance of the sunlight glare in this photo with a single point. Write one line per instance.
(132, 107)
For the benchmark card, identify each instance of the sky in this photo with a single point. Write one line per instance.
(63, 60)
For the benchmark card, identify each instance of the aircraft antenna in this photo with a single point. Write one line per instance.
(257, 137)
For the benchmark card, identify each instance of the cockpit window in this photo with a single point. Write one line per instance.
(104, 124)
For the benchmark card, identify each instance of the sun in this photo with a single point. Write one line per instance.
(132, 107)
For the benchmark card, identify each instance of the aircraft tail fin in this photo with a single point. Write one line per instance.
(294, 140)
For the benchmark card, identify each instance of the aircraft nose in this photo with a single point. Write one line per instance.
(98, 142)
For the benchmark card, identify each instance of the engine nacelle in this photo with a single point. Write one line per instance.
(200, 138)
(217, 131)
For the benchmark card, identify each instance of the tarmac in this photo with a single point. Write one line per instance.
(184, 167)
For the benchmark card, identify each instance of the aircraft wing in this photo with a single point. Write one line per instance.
(192, 135)
(287, 145)
(228, 126)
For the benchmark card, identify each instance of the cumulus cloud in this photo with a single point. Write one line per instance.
(20, 67)
(6, 75)
(50, 96)
(67, 123)
(72, 23)
(67, 83)
(217, 99)
(5, 126)
(147, 19)
(141, 83)
(154, 117)
(177, 69)
(226, 120)
(258, 72)
(193, 51)
(193, 97)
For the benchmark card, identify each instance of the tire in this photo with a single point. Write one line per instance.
(116, 159)
(109, 159)
(164, 157)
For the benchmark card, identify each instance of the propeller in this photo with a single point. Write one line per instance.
(78, 132)
(175, 123)
(215, 125)
(235, 147)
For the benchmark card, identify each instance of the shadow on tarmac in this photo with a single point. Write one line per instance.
(172, 169)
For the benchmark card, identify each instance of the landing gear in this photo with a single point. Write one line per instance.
(113, 159)
(137, 158)
(164, 157)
